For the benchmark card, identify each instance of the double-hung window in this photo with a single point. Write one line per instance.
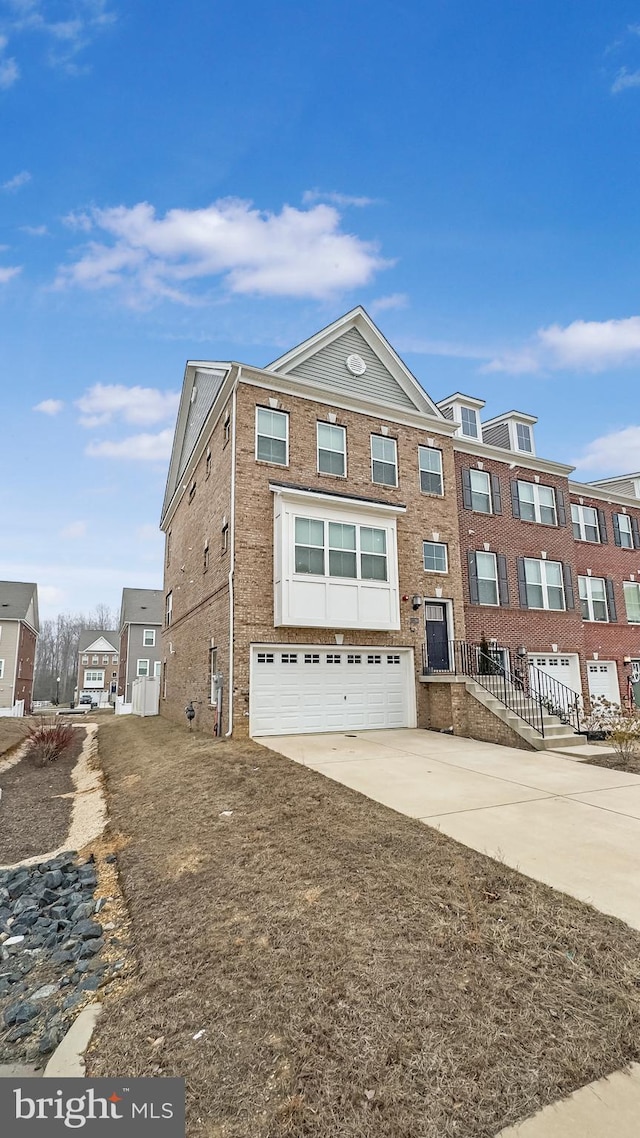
(523, 437)
(435, 557)
(430, 464)
(544, 584)
(168, 609)
(149, 638)
(143, 668)
(584, 522)
(480, 491)
(1, 669)
(487, 570)
(537, 503)
(632, 601)
(384, 460)
(339, 549)
(469, 422)
(593, 598)
(272, 436)
(623, 530)
(332, 449)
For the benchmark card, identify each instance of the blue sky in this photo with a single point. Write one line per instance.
(220, 178)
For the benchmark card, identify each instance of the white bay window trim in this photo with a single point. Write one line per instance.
(94, 678)
(335, 561)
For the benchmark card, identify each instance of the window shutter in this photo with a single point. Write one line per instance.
(616, 530)
(568, 586)
(515, 499)
(503, 580)
(611, 600)
(562, 513)
(496, 494)
(602, 526)
(474, 595)
(636, 533)
(522, 583)
(466, 488)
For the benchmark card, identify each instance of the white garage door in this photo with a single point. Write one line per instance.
(564, 668)
(300, 690)
(603, 680)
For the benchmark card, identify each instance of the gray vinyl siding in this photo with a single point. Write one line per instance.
(447, 412)
(207, 384)
(618, 487)
(9, 638)
(328, 369)
(497, 435)
(138, 651)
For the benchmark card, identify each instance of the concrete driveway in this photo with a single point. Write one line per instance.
(572, 826)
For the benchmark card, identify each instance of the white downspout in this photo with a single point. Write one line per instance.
(232, 528)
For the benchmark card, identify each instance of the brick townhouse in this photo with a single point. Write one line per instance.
(331, 533)
(312, 551)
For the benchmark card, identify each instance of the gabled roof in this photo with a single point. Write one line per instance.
(322, 361)
(19, 601)
(201, 384)
(521, 416)
(98, 640)
(142, 606)
(460, 397)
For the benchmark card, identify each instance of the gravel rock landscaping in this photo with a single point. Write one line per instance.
(55, 952)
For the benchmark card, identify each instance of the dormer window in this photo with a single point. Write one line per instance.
(523, 437)
(469, 422)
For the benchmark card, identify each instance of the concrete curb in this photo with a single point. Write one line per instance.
(67, 1061)
(608, 1108)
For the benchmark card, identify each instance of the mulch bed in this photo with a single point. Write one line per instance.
(34, 818)
(629, 765)
(317, 966)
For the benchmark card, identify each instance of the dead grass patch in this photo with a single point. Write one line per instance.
(12, 733)
(346, 972)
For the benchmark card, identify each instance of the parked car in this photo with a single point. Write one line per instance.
(84, 699)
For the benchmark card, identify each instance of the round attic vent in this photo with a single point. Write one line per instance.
(356, 365)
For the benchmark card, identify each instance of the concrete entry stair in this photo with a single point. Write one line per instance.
(556, 733)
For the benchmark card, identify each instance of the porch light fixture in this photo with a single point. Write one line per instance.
(416, 601)
(521, 651)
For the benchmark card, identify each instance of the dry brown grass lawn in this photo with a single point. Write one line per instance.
(12, 731)
(355, 973)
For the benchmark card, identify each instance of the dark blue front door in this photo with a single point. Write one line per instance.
(437, 636)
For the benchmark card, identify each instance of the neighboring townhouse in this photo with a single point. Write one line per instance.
(98, 661)
(606, 529)
(19, 629)
(141, 617)
(312, 552)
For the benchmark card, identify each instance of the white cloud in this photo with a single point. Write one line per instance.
(588, 345)
(75, 26)
(9, 70)
(8, 272)
(135, 448)
(311, 196)
(301, 253)
(615, 453)
(624, 80)
(16, 182)
(73, 531)
(49, 406)
(35, 230)
(142, 405)
(385, 303)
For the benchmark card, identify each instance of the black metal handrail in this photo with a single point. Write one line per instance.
(519, 685)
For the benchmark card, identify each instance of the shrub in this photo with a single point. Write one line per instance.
(48, 741)
(621, 728)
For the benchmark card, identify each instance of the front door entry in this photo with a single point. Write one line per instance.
(437, 636)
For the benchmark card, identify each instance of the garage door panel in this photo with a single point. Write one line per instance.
(314, 689)
(603, 680)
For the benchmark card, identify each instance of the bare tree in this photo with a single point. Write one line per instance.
(57, 657)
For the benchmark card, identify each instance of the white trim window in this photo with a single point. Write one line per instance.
(523, 438)
(349, 551)
(157, 668)
(114, 659)
(487, 570)
(480, 491)
(272, 436)
(384, 460)
(149, 638)
(1, 669)
(625, 530)
(593, 599)
(105, 659)
(142, 668)
(584, 522)
(95, 659)
(168, 608)
(430, 466)
(544, 584)
(332, 449)
(632, 601)
(435, 557)
(85, 659)
(537, 503)
(94, 677)
(469, 422)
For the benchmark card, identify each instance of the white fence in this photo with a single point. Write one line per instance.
(121, 707)
(15, 712)
(145, 695)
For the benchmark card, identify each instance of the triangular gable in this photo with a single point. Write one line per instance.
(199, 391)
(100, 645)
(322, 361)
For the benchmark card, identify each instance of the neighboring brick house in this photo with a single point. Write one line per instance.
(98, 660)
(19, 629)
(141, 618)
(312, 548)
